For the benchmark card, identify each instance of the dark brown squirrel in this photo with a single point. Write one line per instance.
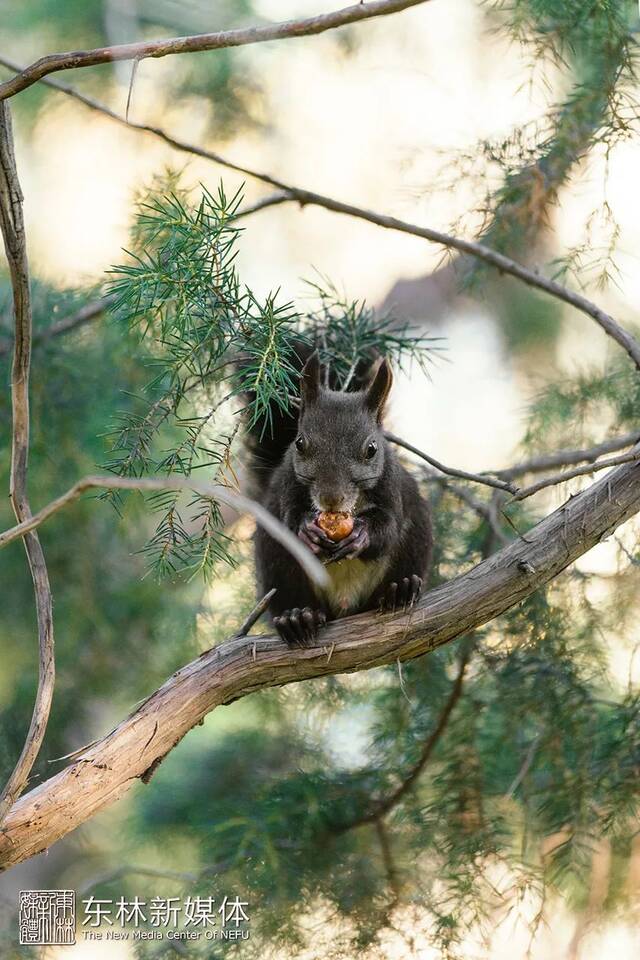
(333, 457)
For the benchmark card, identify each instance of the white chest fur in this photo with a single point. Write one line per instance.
(351, 582)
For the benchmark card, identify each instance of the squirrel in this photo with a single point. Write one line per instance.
(332, 455)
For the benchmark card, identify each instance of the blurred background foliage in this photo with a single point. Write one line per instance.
(529, 797)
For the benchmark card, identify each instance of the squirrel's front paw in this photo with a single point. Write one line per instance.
(315, 538)
(353, 545)
(299, 626)
(401, 594)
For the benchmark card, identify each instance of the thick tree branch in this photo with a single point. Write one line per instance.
(480, 251)
(312, 567)
(12, 226)
(142, 50)
(109, 768)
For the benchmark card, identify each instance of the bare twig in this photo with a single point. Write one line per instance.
(567, 458)
(479, 251)
(531, 466)
(256, 613)
(588, 468)
(12, 225)
(272, 200)
(312, 567)
(108, 769)
(388, 861)
(524, 769)
(453, 471)
(484, 510)
(134, 70)
(384, 806)
(287, 30)
(75, 320)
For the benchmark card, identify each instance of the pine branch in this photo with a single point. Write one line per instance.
(212, 341)
(287, 30)
(12, 226)
(108, 769)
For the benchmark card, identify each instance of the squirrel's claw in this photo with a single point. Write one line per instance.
(402, 594)
(299, 627)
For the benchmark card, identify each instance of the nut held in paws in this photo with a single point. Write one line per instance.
(337, 526)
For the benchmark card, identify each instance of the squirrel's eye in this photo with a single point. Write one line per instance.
(300, 444)
(372, 449)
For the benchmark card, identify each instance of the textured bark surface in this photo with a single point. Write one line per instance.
(110, 767)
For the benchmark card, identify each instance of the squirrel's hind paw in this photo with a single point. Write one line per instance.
(401, 594)
(299, 627)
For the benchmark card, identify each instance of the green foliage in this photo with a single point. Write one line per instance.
(348, 332)
(218, 352)
(572, 412)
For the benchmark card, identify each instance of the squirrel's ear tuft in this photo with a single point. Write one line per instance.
(310, 379)
(378, 391)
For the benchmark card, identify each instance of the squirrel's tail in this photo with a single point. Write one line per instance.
(268, 437)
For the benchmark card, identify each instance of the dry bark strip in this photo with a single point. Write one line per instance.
(12, 228)
(239, 666)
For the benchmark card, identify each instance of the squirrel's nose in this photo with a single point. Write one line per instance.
(332, 502)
